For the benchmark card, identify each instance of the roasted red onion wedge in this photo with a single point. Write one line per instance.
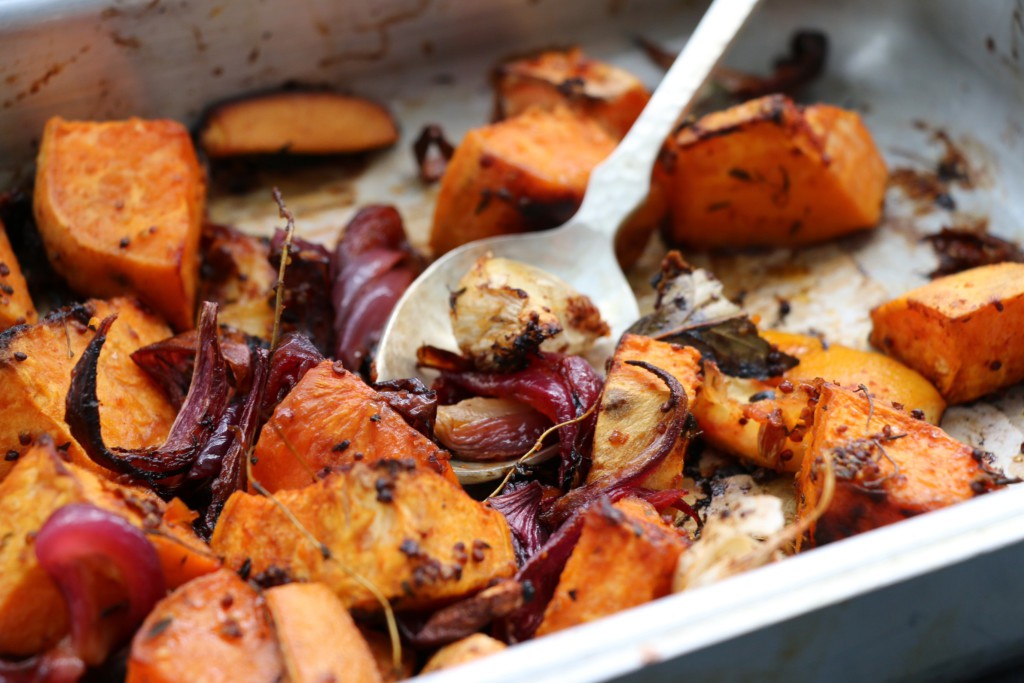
(372, 266)
(207, 398)
(619, 483)
(521, 508)
(80, 539)
(59, 664)
(562, 388)
(489, 429)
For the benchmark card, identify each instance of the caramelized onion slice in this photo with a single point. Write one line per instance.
(521, 508)
(488, 429)
(73, 542)
(619, 483)
(208, 396)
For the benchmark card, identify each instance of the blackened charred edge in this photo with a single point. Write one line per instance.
(774, 109)
(79, 313)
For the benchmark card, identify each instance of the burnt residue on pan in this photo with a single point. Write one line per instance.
(382, 27)
(930, 188)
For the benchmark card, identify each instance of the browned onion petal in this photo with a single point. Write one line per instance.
(59, 664)
(68, 546)
(207, 398)
(620, 483)
(663, 500)
(539, 577)
(294, 356)
(307, 288)
(232, 476)
(411, 399)
(520, 505)
(433, 151)
(170, 362)
(372, 266)
(365, 321)
(463, 618)
(560, 387)
(489, 429)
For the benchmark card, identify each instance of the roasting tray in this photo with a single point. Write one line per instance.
(936, 597)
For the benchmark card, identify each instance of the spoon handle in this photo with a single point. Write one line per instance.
(621, 182)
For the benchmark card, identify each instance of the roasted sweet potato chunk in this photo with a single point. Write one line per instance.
(330, 419)
(463, 651)
(215, 628)
(630, 408)
(35, 371)
(319, 641)
(752, 419)
(119, 205)
(16, 307)
(415, 535)
(604, 575)
(297, 122)
(32, 612)
(526, 173)
(611, 96)
(886, 379)
(962, 332)
(767, 173)
(888, 466)
(237, 275)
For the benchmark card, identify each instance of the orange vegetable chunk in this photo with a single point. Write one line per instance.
(887, 468)
(35, 371)
(963, 332)
(215, 628)
(626, 556)
(119, 205)
(418, 537)
(526, 173)
(319, 641)
(16, 307)
(611, 96)
(330, 419)
(769, 173)
(299, 122)
(33, 615)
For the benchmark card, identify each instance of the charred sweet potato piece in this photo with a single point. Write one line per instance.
(602, 575)
(215, 628)
(330, 419)
(798, 345)
(463, 651)
(119, 205)
(35, 371)
(630, 408)
(962, 331)
(609, 95)
(753, 419)
(297, 122)
(236, 274)
(415, 535)
(888, 466)
(32, 612)
(318, 639)
(886, 379)
(526, 173)
(766, 173)
(16, 307)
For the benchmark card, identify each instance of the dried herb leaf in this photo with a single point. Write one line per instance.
(692, 310)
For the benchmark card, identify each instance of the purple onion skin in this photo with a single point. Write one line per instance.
(208, 397)
(59, 664)
(307, 288)
(74, 538)
(411, 399)
(292, 359)
(372, 266)
(562, 388)
(521, 508)
(618, 484)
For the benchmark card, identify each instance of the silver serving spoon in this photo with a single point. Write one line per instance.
(580, 251)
